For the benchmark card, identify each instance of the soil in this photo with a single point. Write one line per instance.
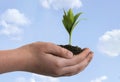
(74, 49)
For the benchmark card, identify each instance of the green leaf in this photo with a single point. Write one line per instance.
(74, 25)
(70, 15)
(68, 19)
(66, 25)
(75, 19)
(76, 16)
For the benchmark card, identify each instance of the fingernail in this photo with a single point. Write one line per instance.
(91, 52)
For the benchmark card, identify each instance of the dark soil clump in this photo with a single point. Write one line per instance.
(74, 49)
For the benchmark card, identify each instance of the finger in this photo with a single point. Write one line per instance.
(77, 58)
(72, 70)
(59, 51)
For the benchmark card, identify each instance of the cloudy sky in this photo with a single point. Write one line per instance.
(27, 21)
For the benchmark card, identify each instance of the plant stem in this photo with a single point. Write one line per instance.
(70, 39)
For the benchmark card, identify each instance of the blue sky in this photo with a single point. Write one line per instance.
(40, 20)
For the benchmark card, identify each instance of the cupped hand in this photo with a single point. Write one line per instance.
(49, 59)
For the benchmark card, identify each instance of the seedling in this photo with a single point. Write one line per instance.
(70, 21)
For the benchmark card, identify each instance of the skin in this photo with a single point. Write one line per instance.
(44, 58)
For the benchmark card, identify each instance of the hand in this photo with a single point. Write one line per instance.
(52, 60)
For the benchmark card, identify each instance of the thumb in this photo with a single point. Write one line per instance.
(61, 52)
(65, 53)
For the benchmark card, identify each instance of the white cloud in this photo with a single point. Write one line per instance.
(100, 79)
(11, 21)
(41, 78)
(109, 43)
(23, 79)
(37, 78)
(60, 4)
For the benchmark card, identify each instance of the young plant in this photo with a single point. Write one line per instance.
(70, 21)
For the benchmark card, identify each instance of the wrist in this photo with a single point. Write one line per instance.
(24, 58)
(13, 60)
